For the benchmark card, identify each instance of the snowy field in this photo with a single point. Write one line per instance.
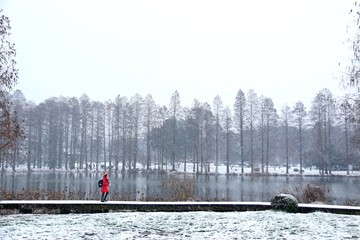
(187, 225)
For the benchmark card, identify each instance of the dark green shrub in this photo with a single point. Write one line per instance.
(285, 202)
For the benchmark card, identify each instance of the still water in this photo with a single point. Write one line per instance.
(209, 187)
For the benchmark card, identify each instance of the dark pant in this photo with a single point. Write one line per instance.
(103, 196)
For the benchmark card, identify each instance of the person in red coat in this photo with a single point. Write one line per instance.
(105, 187)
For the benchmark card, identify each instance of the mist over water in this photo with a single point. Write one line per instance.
(210, 187)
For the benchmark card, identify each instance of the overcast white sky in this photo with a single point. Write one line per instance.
(284, 49)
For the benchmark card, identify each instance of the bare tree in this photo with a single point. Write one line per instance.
(239, 116)
(271, 120)
(353, 76)
(10, 129)
(217, 108)
(175, 110)
(299, 112)
(197, 128)
(322, 115)
(286, 116)
(208, 122)
(67, 122)
(18, 104)
(262, 130)
(137, 106)
(99, 131)
(345, 109)
(118, 105)
(51, 133)
(108, 140)
(30, 133)
(150, 113)
(227, 126)
(160, 135)
(125, 126)
(187, 134)
(84, 116)
(251, 116)
(74, 133)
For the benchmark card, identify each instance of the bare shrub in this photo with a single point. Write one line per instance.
(313, 194)
(43, 195)
(178, 189)
(308, 194)
(351, 202)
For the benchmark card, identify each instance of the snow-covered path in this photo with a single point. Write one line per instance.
(90, 206)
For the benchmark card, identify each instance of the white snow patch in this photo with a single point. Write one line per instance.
(234, 169)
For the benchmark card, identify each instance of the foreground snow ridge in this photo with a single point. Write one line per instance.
(272, 225)
(87, 206)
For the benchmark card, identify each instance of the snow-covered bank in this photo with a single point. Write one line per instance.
(272, 170)
(234, 170)
(188, 225)
(78, 206)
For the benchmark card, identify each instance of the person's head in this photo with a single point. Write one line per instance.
(105, 174)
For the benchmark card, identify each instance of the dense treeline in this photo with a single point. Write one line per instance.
(128, 133)
(125, 133)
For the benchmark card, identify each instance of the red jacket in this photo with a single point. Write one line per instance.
(105, 184)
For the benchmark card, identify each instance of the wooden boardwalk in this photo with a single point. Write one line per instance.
(90, 206)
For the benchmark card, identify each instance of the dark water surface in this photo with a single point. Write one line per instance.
(210, 187)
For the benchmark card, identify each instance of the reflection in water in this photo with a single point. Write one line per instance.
(139, 186)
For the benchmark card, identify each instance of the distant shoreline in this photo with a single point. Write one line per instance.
(247, 173)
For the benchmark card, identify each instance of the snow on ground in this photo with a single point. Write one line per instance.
(187, 225)
(234, 169)
(134, 202)
(279, 170)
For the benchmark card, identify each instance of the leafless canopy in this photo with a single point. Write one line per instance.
(9, 127)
